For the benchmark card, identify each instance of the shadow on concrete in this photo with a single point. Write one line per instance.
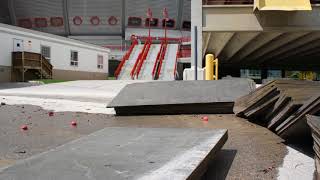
(16, 85)
(220, 165)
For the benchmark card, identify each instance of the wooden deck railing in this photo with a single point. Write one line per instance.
(25, 61)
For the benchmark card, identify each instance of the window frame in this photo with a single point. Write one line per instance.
(45, 46)
(100, 64)
(73, 62)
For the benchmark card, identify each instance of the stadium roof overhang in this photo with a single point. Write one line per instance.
(241, 37)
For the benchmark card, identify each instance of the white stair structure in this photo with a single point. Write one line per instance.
(127, 67)
(168, 64)
(147, 67)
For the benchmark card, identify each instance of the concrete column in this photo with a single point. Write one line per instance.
(13, 17)
(66, 17)
(196, 20)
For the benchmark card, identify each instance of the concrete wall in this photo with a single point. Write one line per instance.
(60, 51)
(78, 75)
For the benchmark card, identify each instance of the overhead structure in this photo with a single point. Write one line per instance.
(283, 5)
(260, 34)
(95, 17)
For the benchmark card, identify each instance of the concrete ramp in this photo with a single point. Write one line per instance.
(180, 97)
(146, 70)
(126, 69)
(169, 62)
(125, 153)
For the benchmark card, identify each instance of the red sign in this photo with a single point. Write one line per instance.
(56, 21)
(149, 13)
(165, 13)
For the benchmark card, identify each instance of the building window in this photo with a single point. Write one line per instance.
(274, 73)
(74, 58)
(46, 52)
(100, 62)
(251, 73)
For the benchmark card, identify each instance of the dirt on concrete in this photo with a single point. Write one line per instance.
(251, 152)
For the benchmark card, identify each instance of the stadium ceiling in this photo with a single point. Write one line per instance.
(92, 17)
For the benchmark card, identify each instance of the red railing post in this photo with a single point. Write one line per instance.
(144, 56)
(134, 69)
(161, 59)
(157, 61)
(125, 58)
(175, 66)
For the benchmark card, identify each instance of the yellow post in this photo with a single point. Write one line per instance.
(215, 74)
(209, 66)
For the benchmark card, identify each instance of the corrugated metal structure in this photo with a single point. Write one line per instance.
(94, 17)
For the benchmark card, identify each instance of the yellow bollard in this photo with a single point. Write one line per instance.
(215, 74)
(209, 66)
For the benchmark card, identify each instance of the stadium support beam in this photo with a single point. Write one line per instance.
(66, 17)
(123, 19)
(179, 14)
(12, 13)
(196, 20)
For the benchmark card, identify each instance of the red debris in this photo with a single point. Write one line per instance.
(51, 114)
(24, 127)
(73, 123)
(205, 118)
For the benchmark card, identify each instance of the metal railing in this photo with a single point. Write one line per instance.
(125, 58)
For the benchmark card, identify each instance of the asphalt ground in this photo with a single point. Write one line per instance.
(251, 152)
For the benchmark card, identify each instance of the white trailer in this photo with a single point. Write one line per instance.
(71, 59)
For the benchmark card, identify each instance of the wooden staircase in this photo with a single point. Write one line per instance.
(29, 66)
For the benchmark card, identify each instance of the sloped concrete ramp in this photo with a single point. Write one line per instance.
(125, 153)
(181, 97)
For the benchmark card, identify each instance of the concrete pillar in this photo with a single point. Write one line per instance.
(196, 20)
(264, 73)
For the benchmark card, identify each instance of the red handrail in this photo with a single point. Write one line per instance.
(175, 66)
(134, 68)
(125, 58)
(144, 56)
(157, 60)
(161, 58)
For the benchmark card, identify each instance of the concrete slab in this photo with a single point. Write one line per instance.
(180, 97)
(125, 153)
(77, 96)
(11, 85)
(98, 91)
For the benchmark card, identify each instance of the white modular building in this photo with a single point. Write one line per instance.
(70, 59)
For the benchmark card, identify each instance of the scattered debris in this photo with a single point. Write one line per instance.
(267, 169)
(51, 114)
(205, 118)
(21, 152)
(74, 123)
(24, 127)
